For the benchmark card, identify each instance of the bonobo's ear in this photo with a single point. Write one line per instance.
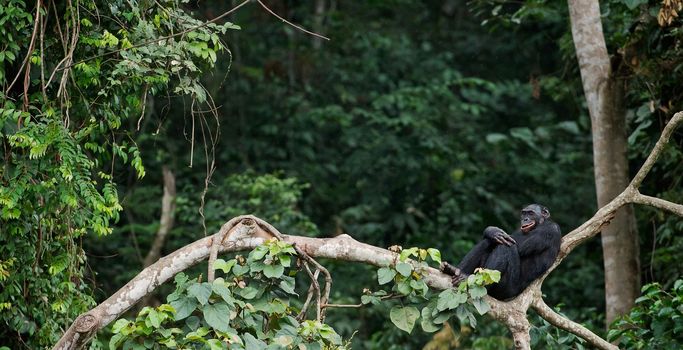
(545, 212)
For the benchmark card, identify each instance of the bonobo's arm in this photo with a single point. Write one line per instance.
(545, 236)
(497, 235)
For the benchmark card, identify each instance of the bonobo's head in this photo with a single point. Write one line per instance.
(532, 216)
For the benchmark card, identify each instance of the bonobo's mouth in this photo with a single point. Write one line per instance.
(527, 227)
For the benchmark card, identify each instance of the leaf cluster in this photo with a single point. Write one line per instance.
(247, 308)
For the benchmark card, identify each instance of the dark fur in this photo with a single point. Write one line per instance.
(520, 261)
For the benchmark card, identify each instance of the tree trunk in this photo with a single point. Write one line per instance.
(604, 96)
(167, 217)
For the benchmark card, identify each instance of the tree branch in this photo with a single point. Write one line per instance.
(570, 326)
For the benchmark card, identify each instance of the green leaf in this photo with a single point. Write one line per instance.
(215, 344)
(442, 317)
(218, 316)
(385, 275)
(404, 268)
(287, 284)
(116, 340)
(404, 317)
(285, 260)
(201, 291)
(495, 138)
(404, 287)
(273, 271)
(184, 307)
(481, 305)
(426, 321)
(223, 265)
(632, 4)
(449, 299)
(405, 253)
(248, 292)
(155, 318)
(239, 270)
(119, 325)
(259, 252)
(221, 289)
(251, 343)
(435, 254)
(477, 292)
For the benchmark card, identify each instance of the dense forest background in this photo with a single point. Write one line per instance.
(416, 124)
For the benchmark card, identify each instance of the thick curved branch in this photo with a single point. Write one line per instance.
(244, 234)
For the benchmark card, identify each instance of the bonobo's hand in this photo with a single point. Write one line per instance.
(457, 275)
(447, 268)
(497, 235)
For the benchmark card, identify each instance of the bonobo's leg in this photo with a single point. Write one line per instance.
(506, 260)
(475, 258)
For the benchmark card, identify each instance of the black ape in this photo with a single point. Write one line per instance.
(520, 258)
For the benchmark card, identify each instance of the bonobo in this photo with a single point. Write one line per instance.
(521, 257)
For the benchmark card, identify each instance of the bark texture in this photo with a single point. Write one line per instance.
(604, 96)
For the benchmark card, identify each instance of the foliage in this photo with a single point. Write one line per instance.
(62, 141)
(247, 308)
(436, 309)
(656, 322)
(272, 197)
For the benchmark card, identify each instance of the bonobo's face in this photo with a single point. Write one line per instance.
(532, 216)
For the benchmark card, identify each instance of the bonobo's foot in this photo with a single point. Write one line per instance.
(457, 274)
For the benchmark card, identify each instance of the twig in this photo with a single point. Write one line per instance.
(657, 150)
(144, 105)
(290, 23)
(309, 296)
(306, 257)
(217, 239)
(316, 288)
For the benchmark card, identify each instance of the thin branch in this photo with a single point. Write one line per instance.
(144, 105)
(309, 296)
(570, 326)
(659, 203)
(290, 23)
(316, 289)
(657, 150)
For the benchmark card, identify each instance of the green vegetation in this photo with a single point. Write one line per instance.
(417, 124)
